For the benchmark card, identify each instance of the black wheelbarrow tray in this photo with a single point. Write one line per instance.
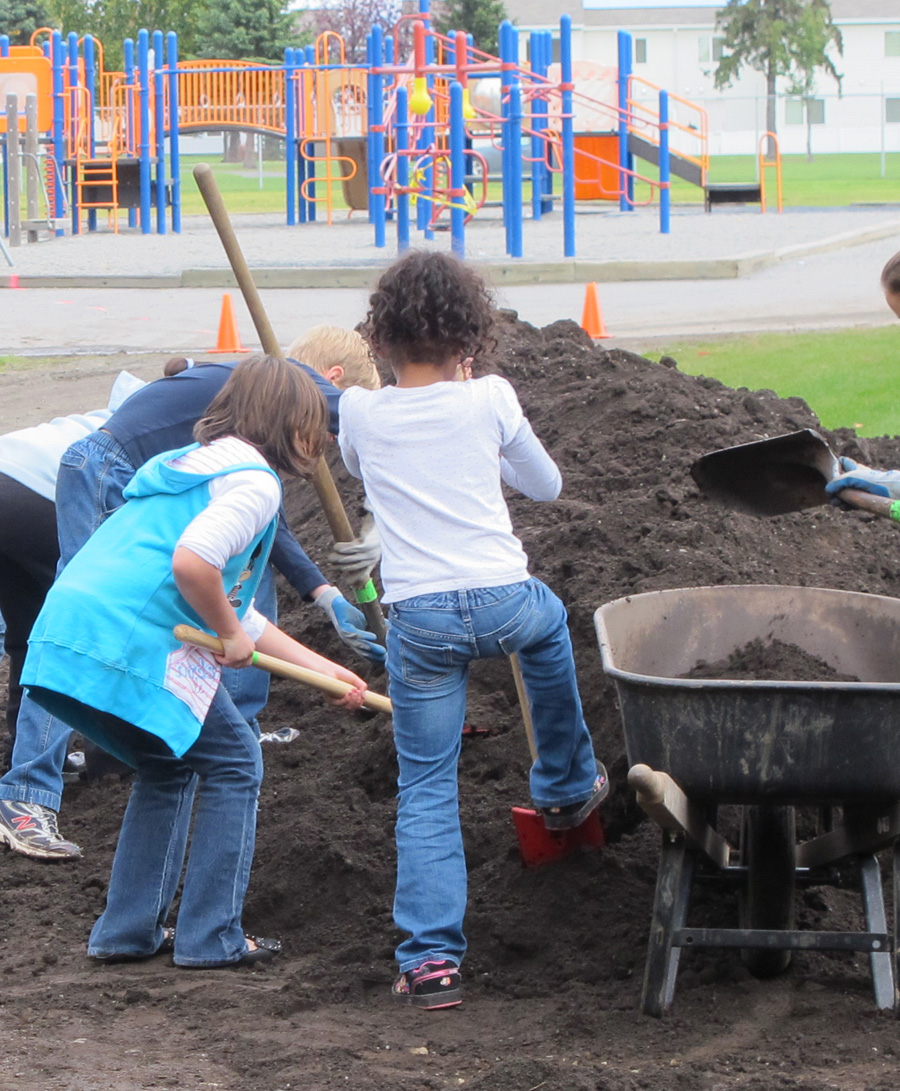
(696, 744)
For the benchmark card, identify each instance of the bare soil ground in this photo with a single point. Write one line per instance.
(553, 975)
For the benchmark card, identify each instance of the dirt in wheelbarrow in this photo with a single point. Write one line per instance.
(771, 661)
(555, 962)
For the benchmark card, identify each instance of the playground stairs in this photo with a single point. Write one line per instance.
(684, 168)
(97, 185)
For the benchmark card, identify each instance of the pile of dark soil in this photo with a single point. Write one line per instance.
(772, 661)
(556, 954)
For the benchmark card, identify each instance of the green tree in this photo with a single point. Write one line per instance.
(480, 18)
(814, 35)
(20, 18)
(245, 30)
(112, 21)
(769, 36)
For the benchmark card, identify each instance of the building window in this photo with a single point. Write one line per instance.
(640, 50)
(710, 49)
(892, 43)
(892, 110)
(796, 110)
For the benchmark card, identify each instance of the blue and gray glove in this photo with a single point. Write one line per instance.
(350, 625)
(857, 476)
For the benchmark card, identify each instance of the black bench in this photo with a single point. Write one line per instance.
(732, 193)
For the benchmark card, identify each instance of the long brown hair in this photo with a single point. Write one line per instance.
(275, 406)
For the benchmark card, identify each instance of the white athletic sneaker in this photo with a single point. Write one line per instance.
(31, 829)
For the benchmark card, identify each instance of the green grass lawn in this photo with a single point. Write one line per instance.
(828, 181)
(850, 378)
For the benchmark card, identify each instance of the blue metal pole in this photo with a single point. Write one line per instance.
(425, 208)
(515, 141)
(302, 171)
(664, 163)
(159, 125)
(143, 66)
(174, 147)
(402, 202)
(626, 181)
(549, 176)
(376, 200)
(568, 136)
(4, 45)
(70, 82)
(59, 135)
(457, 170)
(538, 109)
(505, 140)
(290, 137)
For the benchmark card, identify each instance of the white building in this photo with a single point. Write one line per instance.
(677, 47)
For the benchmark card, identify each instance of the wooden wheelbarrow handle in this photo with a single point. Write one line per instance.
(334, 687)
(663, 801)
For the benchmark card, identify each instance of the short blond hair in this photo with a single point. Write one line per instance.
(325, 347)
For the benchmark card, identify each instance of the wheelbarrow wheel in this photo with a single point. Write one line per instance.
(769, 844)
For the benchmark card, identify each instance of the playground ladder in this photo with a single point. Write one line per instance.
(103, 175)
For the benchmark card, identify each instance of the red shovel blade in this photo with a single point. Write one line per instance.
(538, 845)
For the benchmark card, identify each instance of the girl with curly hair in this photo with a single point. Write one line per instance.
(433, 455)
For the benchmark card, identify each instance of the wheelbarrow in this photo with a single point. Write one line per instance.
(695, 745)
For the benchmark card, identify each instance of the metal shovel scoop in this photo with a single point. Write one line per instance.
(778, 475)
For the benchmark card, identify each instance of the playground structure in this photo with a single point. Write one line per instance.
(409, 137)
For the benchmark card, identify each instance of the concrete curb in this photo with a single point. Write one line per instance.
(498, 273)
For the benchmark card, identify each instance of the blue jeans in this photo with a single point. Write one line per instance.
(92, 476)
(431, 641)
(224, 769)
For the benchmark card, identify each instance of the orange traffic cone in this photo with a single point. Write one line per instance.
(229, 339)
(592, 316)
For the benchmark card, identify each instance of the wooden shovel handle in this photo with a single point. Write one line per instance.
(332, 686)
(323, 482)
(867, 501)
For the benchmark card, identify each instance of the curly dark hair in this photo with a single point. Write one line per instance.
(427, 308)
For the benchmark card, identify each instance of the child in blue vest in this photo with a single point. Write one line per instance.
(190, 545)
(433, 454)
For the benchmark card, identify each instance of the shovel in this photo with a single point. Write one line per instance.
(778, 475)
(332, 686)
(537, 844)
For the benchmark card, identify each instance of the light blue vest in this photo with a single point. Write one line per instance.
(103, 640)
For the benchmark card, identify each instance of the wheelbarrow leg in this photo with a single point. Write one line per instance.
(896, 885)
(876, 921)
(673, 887)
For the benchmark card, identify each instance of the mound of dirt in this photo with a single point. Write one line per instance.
(567, 941)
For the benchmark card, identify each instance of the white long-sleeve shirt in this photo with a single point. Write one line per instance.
(31, 455)
(432, 459)
(241, 504)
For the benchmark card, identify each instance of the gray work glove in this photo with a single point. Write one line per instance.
(350, 625)
(355, 560)
(857, 476)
